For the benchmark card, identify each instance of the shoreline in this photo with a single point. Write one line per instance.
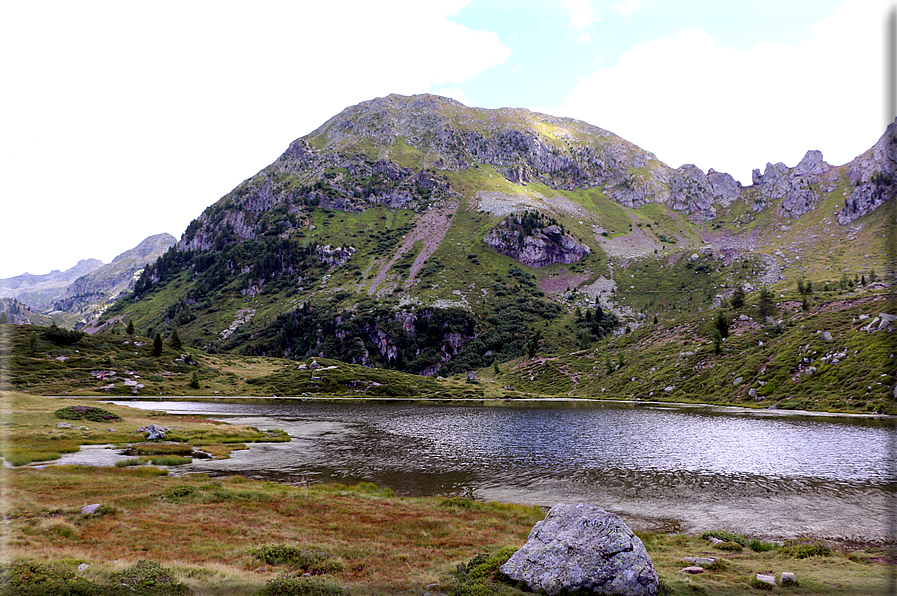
(491, 402)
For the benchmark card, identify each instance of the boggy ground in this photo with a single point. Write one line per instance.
(235, 535)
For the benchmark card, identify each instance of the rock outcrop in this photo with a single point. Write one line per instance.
(583, 548)
(873, 176)
(537, 247)
(695, 193)
(795, 191)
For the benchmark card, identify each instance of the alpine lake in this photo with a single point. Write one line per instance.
(670, 468)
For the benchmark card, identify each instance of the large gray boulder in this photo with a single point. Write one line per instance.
(583, 547)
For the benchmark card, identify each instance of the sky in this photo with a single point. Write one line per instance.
(120, 120)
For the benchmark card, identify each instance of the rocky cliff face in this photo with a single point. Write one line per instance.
(697, 193)
(873, 176)
(535, 247)
(794, 191)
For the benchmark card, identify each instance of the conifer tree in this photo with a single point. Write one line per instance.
(157, 345)
(175, 341)
(130, 329)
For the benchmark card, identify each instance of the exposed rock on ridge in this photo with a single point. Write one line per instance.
(537, 248)
(873, 175)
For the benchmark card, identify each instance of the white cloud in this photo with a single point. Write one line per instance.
(689, 100)
(123, 120)
(584, 38)
(627, 8)
(454, 93)
(581, 13)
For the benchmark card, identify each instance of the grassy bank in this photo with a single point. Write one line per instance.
(240, 536)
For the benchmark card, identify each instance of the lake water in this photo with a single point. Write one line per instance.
(665, 468)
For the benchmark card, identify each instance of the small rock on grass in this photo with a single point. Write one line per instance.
(788, 579)
(768, 579)
(88, 509)
(694, 570)
(700, 560)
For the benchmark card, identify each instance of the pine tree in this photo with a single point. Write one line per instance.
(765, 306)
(721, 325)
(157, 345)
(130, 329)
(738, 298)
(194, 381)
(717, 341)
(175, 341)
(495, 367)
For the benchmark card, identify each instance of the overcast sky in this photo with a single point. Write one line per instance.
(119, 120)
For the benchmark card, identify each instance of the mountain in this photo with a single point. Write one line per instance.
(84, 291)
(419, 234)
(39, 291)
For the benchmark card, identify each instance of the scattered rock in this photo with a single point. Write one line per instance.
(788, 579)
(83, 567)
(694, 570)
(826, 336)
(153, 432)
(471, 376)
(700, 560)
(583, 547)
(752, 392)
(63, 425)
(88, 509)
(738, 381)
(768, 579)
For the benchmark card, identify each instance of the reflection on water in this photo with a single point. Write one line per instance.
(767, 476)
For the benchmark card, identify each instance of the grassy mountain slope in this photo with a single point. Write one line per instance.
(366, 241)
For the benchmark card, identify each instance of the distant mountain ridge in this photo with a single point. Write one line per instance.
(81, 292)
(39, 291)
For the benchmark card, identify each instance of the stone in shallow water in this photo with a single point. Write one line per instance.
(583, 547)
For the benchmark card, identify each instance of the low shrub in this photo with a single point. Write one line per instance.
(761, 547)
(480, 574)
(293, 585)
(31, 578)
(459, 503)
(730, 547)
(86, 413)
(725, 537)
(759, 584)
(307, 559)
(148, 577)
(801, 549)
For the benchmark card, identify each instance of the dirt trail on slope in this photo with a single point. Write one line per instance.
(431, 228)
